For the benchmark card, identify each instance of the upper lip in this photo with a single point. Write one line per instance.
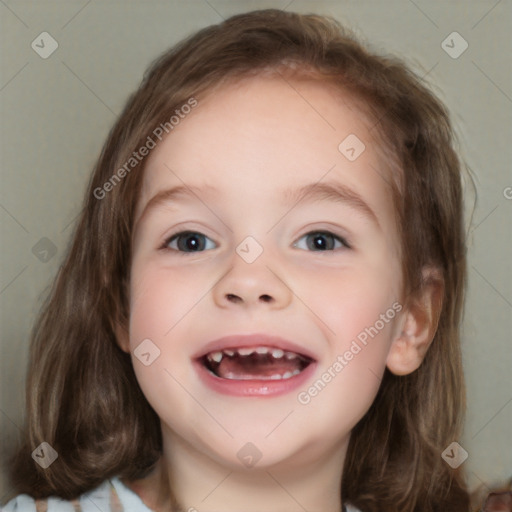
(253, 340)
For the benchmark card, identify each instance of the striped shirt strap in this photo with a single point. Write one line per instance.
(115, 502)
(42, 505)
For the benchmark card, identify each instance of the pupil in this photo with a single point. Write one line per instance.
(320, 242)
(191, 242)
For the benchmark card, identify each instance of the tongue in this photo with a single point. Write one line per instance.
(255, 367)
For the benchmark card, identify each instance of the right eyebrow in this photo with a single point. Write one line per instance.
(166, 196)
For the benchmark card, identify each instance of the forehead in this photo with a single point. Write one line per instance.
(257, 137)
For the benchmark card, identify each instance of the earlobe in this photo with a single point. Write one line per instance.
(419, 325)
(122, 337)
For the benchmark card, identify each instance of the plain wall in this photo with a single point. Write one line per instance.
(56, 113)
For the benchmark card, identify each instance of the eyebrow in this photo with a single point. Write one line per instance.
(333, 192)
(174, 194)
(311, 193)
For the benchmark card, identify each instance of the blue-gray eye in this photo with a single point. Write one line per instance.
(188, 241)
(192, 241)
(322, 241)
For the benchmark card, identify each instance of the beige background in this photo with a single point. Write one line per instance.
(56, 113)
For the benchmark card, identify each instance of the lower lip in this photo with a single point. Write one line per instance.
(255, 387)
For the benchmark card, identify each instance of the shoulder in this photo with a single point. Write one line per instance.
(104, 498)
(111, 496)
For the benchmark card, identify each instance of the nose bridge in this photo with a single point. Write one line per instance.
(252, 278)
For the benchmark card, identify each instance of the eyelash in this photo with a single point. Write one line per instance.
(170, 239)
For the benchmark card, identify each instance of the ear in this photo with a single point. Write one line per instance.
(419, 325)
(122, 336)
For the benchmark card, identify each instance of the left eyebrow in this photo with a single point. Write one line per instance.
(333, 192)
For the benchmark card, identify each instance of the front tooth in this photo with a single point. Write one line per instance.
(296, 372)
(287, 375)
(276, 376)
(216, 356)
(262, 350)
(245, 351)
(229, 352)
(291, 355)
(277, 353)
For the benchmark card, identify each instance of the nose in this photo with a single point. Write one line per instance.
(251, 285)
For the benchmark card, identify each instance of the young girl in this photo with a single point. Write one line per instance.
(260, 306)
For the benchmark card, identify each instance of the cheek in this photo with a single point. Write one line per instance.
(165, 304)
(359, 313)
(350, 375)
(351, 300)
(150, 310)
(158, 303)
(161, 298)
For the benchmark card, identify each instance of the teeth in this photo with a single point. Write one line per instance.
(286, 375)
(276, 376)
(276, 353)
(216, 356)
(246, 351)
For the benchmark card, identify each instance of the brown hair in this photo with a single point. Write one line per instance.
(82, 394)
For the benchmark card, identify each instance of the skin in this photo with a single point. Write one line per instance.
(251, 140)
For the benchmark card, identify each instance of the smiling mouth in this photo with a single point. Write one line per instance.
(257, 363)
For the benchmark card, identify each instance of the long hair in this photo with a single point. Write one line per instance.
(82, 395)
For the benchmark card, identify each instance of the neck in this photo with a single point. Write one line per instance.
(199, 483)
(186, 480)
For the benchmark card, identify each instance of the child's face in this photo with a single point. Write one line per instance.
(249, 144)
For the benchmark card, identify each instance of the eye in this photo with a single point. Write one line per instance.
(322, 241)
(187, 241)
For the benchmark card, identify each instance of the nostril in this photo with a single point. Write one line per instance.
(235, 298)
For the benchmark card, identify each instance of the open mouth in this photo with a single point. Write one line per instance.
(262, 363)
